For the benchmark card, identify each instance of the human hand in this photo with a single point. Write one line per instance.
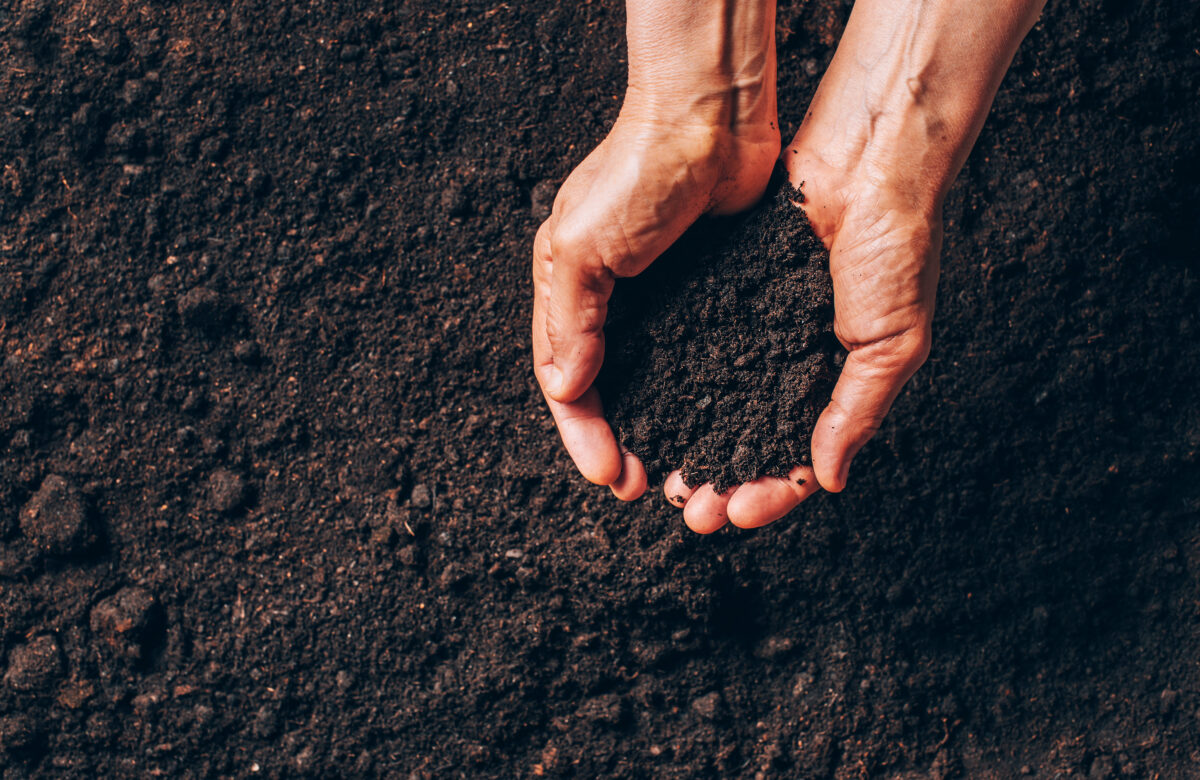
(885, 136)
(697, 134)
(883, 260)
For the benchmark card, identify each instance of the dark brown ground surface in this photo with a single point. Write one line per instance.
(720, 357)
(263, 308)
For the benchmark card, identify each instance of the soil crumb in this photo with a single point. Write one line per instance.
(721, 356)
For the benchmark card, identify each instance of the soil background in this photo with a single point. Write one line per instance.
(278, 495)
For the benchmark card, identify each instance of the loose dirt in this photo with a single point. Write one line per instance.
(264, 309)
(721, 356)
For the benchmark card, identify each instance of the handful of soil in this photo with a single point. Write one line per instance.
(720, 357)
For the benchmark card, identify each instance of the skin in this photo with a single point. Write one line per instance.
(886, 133)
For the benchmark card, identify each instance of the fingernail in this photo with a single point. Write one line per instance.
(555, 381)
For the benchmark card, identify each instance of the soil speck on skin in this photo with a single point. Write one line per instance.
(721, 356)
(56, 519)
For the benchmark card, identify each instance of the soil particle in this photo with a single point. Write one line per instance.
(17, 732)
(541, 199)
(707, 705)
(422, 497)
(17, 560)
(124, 620)
(248, 352)
(202, 308)
(607, 710)
(266, 722)
(454, 575)
(227, 491)
(775, 647)
(456, 200)
(34, 666)
(720, 358)
(55, 519)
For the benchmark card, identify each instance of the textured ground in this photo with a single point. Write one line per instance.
(277, 490)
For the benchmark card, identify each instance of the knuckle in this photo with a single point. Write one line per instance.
(917, 348)
(569, 240)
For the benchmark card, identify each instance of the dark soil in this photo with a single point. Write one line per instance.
(721, 356)
(264, 306)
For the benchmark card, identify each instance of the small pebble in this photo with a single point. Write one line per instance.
(226, 491)
(35, 665)
(55, 519)
(422, 497)
(453, 575)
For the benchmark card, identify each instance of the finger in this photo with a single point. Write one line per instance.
(705, 511)
(632, 482)
(587, 437)
(676, 489)
(575, 313)
(767, 499)
(870, 381)
(585, 434)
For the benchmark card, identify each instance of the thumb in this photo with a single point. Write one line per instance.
(870, 381)
(575, 317)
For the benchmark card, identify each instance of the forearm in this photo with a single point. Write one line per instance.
(916, 78)
(710, 61)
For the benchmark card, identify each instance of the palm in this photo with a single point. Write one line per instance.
(884, 264)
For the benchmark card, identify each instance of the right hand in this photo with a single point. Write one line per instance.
(631, 198)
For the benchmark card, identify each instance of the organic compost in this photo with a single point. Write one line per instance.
(279, 495)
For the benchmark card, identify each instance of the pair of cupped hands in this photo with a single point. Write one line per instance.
(698, 134)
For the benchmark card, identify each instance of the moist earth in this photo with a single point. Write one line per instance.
(279, 495)
(720, 357)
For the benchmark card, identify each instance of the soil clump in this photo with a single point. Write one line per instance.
(720, 357)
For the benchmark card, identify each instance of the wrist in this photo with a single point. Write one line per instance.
(709, 63)
(909, 88)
